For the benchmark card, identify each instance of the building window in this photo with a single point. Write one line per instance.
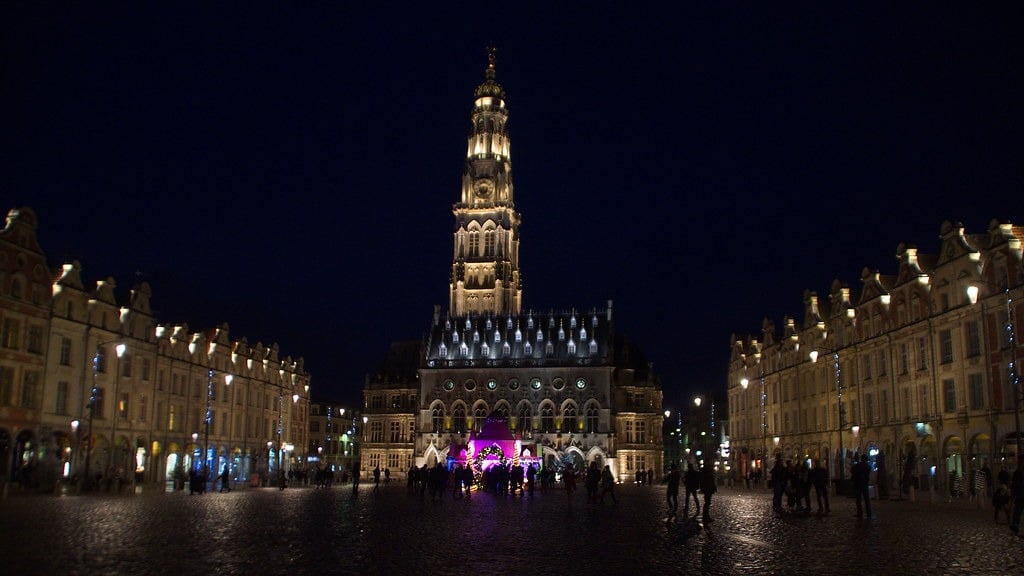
(459, 420)
(547, 419)
(629, 431)
(881, 363)
(525, 421)
(641, 432)
(395, 431)
(904, 358)
(949, 396)
(592, 420)
(922, 354)
(65, 351)
(869, 408)
(973, 339)
(946, 345)
(143, 408)
(9, 334)
(569, 419)
(60, 405)
(30, 390)
(6, 385)
(145, 369)
(437, 419)
(977, 387)
(99, 403)
(35, 339)
(376, 431)
(867, 367)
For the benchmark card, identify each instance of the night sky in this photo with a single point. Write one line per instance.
(291, 170)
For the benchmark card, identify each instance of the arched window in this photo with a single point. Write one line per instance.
(479, 416)
(592, 419)
(547, 419)
(459, 420)
(525, 420)
(569, 418)
(437, 419)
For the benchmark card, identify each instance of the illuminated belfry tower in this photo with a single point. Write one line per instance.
(485, 270)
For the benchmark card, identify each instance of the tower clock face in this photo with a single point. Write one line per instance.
(483, 187)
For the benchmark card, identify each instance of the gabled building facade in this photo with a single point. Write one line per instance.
(97, 391)
(917, 370)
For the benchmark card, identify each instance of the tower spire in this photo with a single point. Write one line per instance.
(485, 271)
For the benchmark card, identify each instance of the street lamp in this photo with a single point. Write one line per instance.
(836, 371)
(1011, 339)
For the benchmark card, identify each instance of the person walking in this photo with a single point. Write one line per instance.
(860, 473)
(779, 480)
(224, 476)
(708, 486)
(818, 477)
(672, 490)
(592, 480)
(608, 484)
(569, 480)
(1017, 492)
(691, 483)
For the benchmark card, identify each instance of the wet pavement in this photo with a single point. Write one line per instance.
(297, 531)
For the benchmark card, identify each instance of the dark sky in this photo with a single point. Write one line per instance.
(291, 170)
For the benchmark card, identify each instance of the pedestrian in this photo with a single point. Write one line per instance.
(1002, 501)
(818, 477)
(608, 484)
(691, 483)
(224, 480)
(569, 480)
(778, 481)
(708, 486)
(672, 491)
(376, 478)
(1017, 492)
(592, 480)
(531, 477)
(860, 473)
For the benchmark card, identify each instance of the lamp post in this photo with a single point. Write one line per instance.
(836, 371)
(230, 449)
(119, 350)
(365, 420)
(206, 426)
(73, 457)
(1012, 374)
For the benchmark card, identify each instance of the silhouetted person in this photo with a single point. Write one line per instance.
(818, 477)
(672, 489)
(861, 476)
(708, 486)
(691, 482)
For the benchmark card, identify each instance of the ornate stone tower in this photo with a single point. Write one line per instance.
(485, 269)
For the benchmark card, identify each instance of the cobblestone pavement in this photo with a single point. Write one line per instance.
(306, 530)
